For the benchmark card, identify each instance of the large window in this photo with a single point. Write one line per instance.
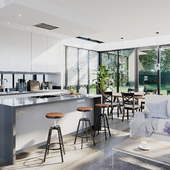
(72, 74)
(109, 59)
(126, 70)
(165, 69)
(93, 65)
(147, 71)
(83, 68)
(80, 66)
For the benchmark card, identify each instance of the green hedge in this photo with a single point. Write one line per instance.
(152, 77)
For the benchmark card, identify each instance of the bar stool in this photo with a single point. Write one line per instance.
(103, 117)
(54, 116)
(84, 121)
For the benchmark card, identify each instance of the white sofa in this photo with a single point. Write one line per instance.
(159, 133)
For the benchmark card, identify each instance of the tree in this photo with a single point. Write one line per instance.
(165, 60)
(148, 60)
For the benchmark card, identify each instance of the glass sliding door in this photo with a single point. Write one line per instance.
(165, 69)
(93, 65)
(72, 70)
(126, 70)
(147, 70)
(109, 59)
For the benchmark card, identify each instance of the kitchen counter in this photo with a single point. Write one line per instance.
(30, 101)
(24, 125)
(29, 92)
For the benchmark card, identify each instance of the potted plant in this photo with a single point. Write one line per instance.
(104, 78)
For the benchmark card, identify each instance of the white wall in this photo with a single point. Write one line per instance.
(25, 51)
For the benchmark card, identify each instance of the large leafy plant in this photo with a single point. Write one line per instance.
(104, 78)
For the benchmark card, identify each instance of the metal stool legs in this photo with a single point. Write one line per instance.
(102, 117)
(60, 138)
(84, 121)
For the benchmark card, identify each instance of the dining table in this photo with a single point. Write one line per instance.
(137, 95)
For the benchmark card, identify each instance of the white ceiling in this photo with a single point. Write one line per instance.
(104, 20)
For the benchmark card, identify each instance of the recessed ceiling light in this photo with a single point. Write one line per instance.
(19, 15)
(8, 23)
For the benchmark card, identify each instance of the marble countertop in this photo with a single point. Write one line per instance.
(30, 101)
(28, 92)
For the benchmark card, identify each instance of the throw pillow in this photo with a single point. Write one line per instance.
(146, 110)
(157, 110)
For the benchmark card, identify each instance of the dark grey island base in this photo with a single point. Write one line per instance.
(23, 124)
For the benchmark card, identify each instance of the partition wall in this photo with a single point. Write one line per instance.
(133, 68)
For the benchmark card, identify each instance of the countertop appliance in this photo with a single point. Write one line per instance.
(21, 85)
(33, 85)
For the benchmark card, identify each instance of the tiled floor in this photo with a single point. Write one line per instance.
(75, 157)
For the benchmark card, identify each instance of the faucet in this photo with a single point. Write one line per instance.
(3, 83)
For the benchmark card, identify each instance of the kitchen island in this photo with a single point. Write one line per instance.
(23, 124)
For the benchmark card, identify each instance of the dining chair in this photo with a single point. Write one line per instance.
(131, 90)
(129, 104)
(147, 92)
(168, 92)
(151, 91)
(108, 99)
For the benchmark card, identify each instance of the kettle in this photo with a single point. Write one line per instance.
(83, 90)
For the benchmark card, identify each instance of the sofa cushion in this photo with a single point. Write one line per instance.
(161, 126)
(157, 99)
(157, 110)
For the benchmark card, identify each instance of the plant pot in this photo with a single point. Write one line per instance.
(50, 86)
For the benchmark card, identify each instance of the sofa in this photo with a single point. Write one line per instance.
(157, 99)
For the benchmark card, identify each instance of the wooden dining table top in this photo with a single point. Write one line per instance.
(136, 96)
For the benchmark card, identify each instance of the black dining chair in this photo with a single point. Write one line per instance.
(129, 104)
(168, 92)
(148, 92)
(131, 90)
(108, 99)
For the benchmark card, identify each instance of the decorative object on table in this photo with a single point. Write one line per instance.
(104, 78)
(33, 85)
(42, 86)
(83, 90)
(167, 128)
(144, 146)
(71, 91)
(50, 85)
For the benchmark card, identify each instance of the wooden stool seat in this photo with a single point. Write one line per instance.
(101, 105)
(54, 115)
(84, 109)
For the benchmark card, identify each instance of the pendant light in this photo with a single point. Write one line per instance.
(157, 65)
(121, 66)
